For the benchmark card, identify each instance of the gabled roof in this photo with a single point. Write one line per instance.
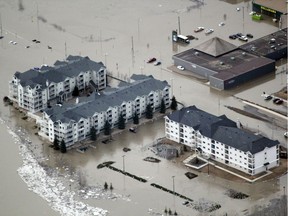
(199, 120)
(61, 70)
(97, 103)
(215, 47)
(221, 129)
(242, 140)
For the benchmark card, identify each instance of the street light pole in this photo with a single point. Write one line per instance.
(123, 156)
(208, 166)
(173, 185)
(171, 79)
(106, 59)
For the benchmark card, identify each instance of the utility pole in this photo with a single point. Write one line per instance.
(179, 25)
(1, 35)
(173, 185)
(37, 17)
(123, 156)
(132, 51)
(243, 17)
(65, 50)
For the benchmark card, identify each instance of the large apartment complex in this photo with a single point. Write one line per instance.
(34, 89)
(220, 139)
(73, 122)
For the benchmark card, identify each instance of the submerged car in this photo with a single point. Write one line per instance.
(157, 63)
(249, 35)
(209, 31)
(199, 29)
(243, 38)
(151, 60)
(268, 97)
(233, 37)
(278, 101)
(180, 67)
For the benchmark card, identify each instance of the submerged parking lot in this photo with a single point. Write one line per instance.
(124, 36)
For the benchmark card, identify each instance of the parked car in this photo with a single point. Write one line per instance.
(209, 31)
(243, 38)
(221, 24)
(199, 29)
(157, 63)
(180, 67)
(233, 37)
(132, 129)
(13, 42)
(278, 101)
(151, 60)
(185, 202)
(267, 97)
(239, 35)
(249, 35)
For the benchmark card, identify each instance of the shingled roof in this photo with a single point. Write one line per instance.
(215, 47)
(221, 129)
(97, 103)
(61, 70)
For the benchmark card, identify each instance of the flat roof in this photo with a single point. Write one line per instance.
(264, 45)
(278, 5)
(228, 65)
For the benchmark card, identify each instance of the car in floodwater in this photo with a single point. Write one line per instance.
(157, 63)
(151, 60)
(180, 67)
(278, 101)
(249, 35)
(267, 97)
(209, 31)
(243, 38)
(199, 29)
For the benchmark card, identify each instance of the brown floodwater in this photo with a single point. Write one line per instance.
(123, 35)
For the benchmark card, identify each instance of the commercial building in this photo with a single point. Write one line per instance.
(227, 66)
(34, 89)
(73, 122)
(220, 139)
(274, 9)
(223, 64)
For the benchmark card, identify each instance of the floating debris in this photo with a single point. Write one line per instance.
(125, 149)
(151, 159)
(236, 195)
(190, 175)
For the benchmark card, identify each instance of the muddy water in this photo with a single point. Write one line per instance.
(123, 36)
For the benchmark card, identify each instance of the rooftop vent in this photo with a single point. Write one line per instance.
(222, 63)
(243, 53)
(196, 53)
(232, 58)
(272, 40)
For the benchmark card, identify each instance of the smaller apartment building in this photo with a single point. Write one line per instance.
(73, 122)
(219, 139)
(35, 88)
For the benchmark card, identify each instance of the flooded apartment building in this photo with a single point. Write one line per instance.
(222, 140)
(35, 89)
(73, 122)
